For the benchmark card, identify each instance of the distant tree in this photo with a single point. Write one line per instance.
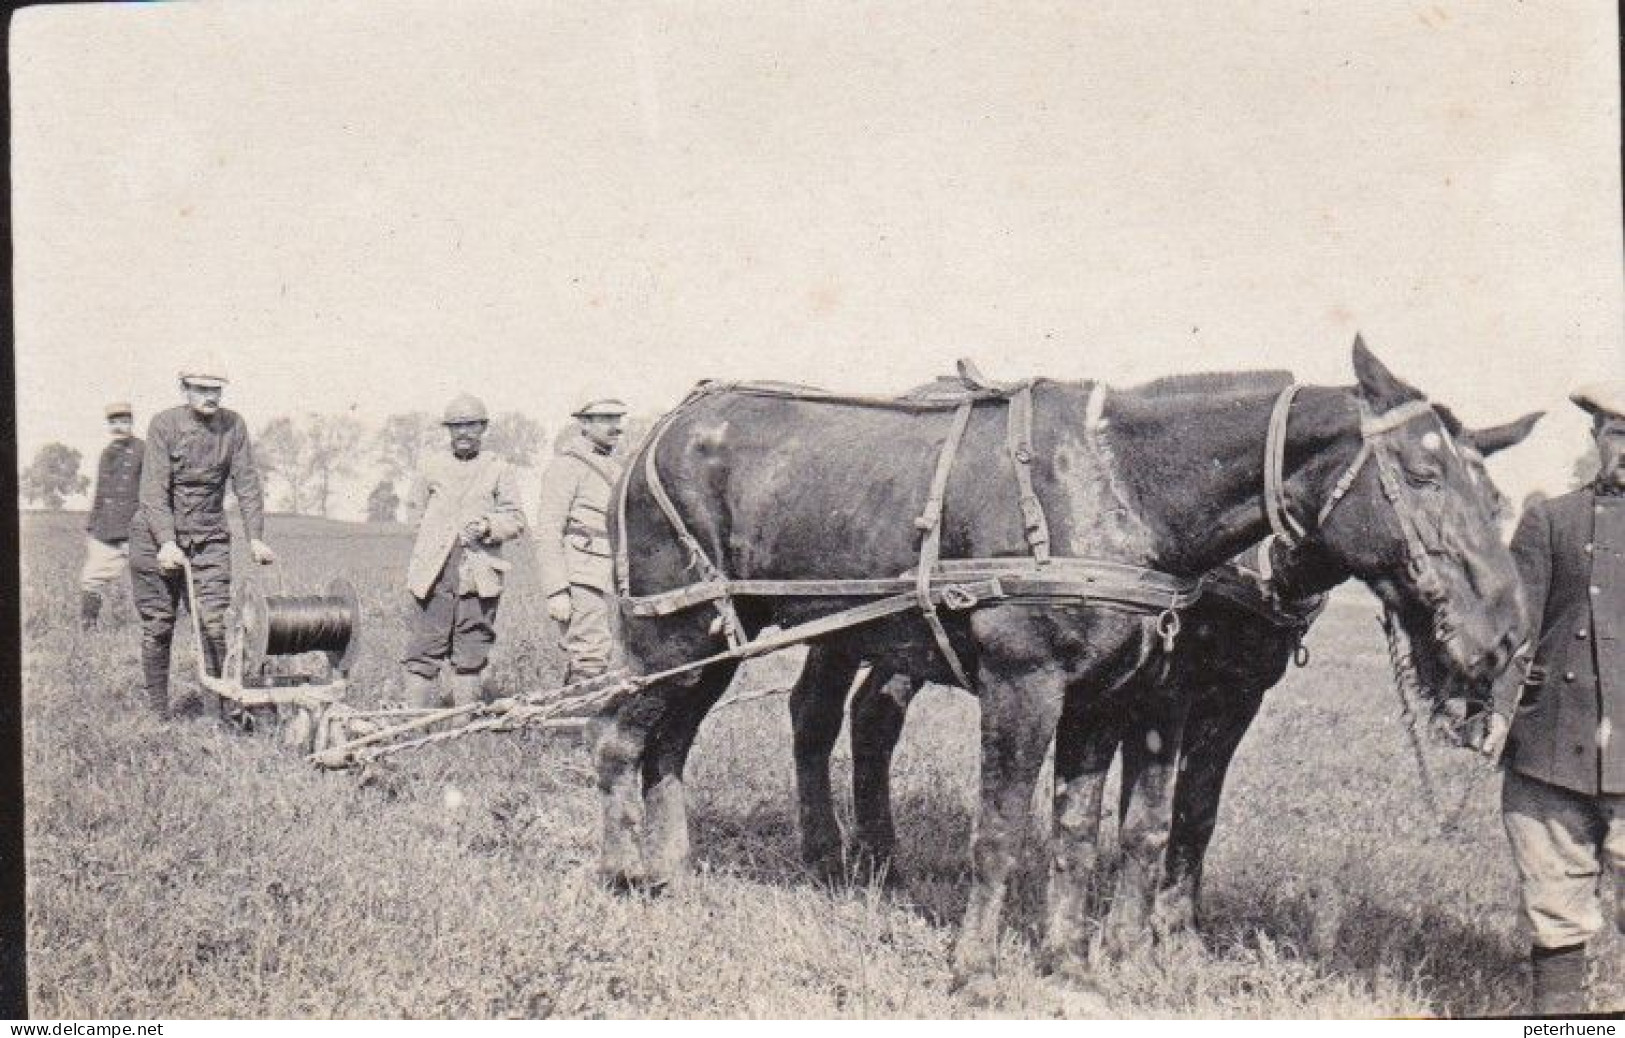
(52, 476)
(401, 443)
(330, 454)
(277, 447)
(311, 455)
(515, 437)
(383, 504)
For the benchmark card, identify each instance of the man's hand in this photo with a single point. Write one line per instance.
(261, 552)
(476, 531)
(1489, 735)
(558, 606)
(170, 556)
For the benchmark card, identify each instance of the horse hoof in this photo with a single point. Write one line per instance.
(620, 882)
(1070, 967)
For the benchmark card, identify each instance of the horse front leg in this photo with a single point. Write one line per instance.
(667, 850)
(1084, 749)
(1151, 751)
(1018, 721)
(1218, 720)
(816, 705)
(619, 739)
(879, 709)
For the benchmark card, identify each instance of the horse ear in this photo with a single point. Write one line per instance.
(1381, 389)
(1500, 437)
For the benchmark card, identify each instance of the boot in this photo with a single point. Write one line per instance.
(90, 607)
(422, 692)
(155, 671)
(465, 689)
(1559, 980)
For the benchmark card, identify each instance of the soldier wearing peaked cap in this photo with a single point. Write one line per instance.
(118, 483)
(1563, 796)
(572, 537)
(192, 452)
(468, 504)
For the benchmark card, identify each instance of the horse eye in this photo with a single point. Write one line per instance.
(1423, 477)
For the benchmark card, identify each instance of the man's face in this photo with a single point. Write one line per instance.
(204, 400)
(1610, 436)
(602, 430)
(465, 437)
(120, 426)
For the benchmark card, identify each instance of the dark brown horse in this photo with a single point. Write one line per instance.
(1237, 643)
(1170, 477)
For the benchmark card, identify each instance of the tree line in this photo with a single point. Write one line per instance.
(308, 460)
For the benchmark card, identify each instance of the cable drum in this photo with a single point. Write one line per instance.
(289, 625)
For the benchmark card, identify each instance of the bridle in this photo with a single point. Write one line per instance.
(1374, 428)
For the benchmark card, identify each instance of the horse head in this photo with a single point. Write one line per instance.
(1414, 516)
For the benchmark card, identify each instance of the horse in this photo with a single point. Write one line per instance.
(1237, 643)
(747, 492)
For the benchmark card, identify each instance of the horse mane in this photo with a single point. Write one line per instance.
(1215, 382)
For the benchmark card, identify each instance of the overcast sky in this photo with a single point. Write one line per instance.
(370, 206)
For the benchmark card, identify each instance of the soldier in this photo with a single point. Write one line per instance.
(118, 482)
(468, 506)
(572, 538)
(192, 452)
(1563, 796)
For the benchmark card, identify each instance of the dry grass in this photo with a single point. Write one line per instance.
(179, 871)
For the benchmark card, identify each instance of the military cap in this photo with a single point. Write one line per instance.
(1605, 399)
(120, 409)
(606, 408)
(465, 407)
(204, 369)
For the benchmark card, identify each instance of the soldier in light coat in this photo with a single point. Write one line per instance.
(572, 538)
(118, 489)
(469, 507)
(1563, 798)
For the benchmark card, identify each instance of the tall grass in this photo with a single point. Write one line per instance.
(177, 870)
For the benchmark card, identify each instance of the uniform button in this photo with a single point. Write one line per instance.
(1595, 590)
(1579, 751)
(1589, 548)
(1580, 634)
(1568, 675)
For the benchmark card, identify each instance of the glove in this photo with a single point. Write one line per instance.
(558, 606)
(170, 556)
(261, 551)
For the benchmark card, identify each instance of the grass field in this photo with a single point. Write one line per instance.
(176, 870)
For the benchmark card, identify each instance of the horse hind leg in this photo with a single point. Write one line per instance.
(667, 851)
(816, 704)
(879, 709)
(1150, 768)
(1084, 750)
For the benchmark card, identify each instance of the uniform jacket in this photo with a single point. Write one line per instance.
(184, 471)
(572, 525)
(118, 491)
(1569, 729)
(450, 493)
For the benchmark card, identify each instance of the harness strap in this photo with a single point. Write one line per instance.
(1286, 527)
(1019, 442)
(698, 559)
(930, 521)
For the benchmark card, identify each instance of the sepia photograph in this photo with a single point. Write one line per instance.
(538, 509)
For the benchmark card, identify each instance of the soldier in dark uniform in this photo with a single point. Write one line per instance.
(1563, 798)
(118, 479)
(192, 452)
